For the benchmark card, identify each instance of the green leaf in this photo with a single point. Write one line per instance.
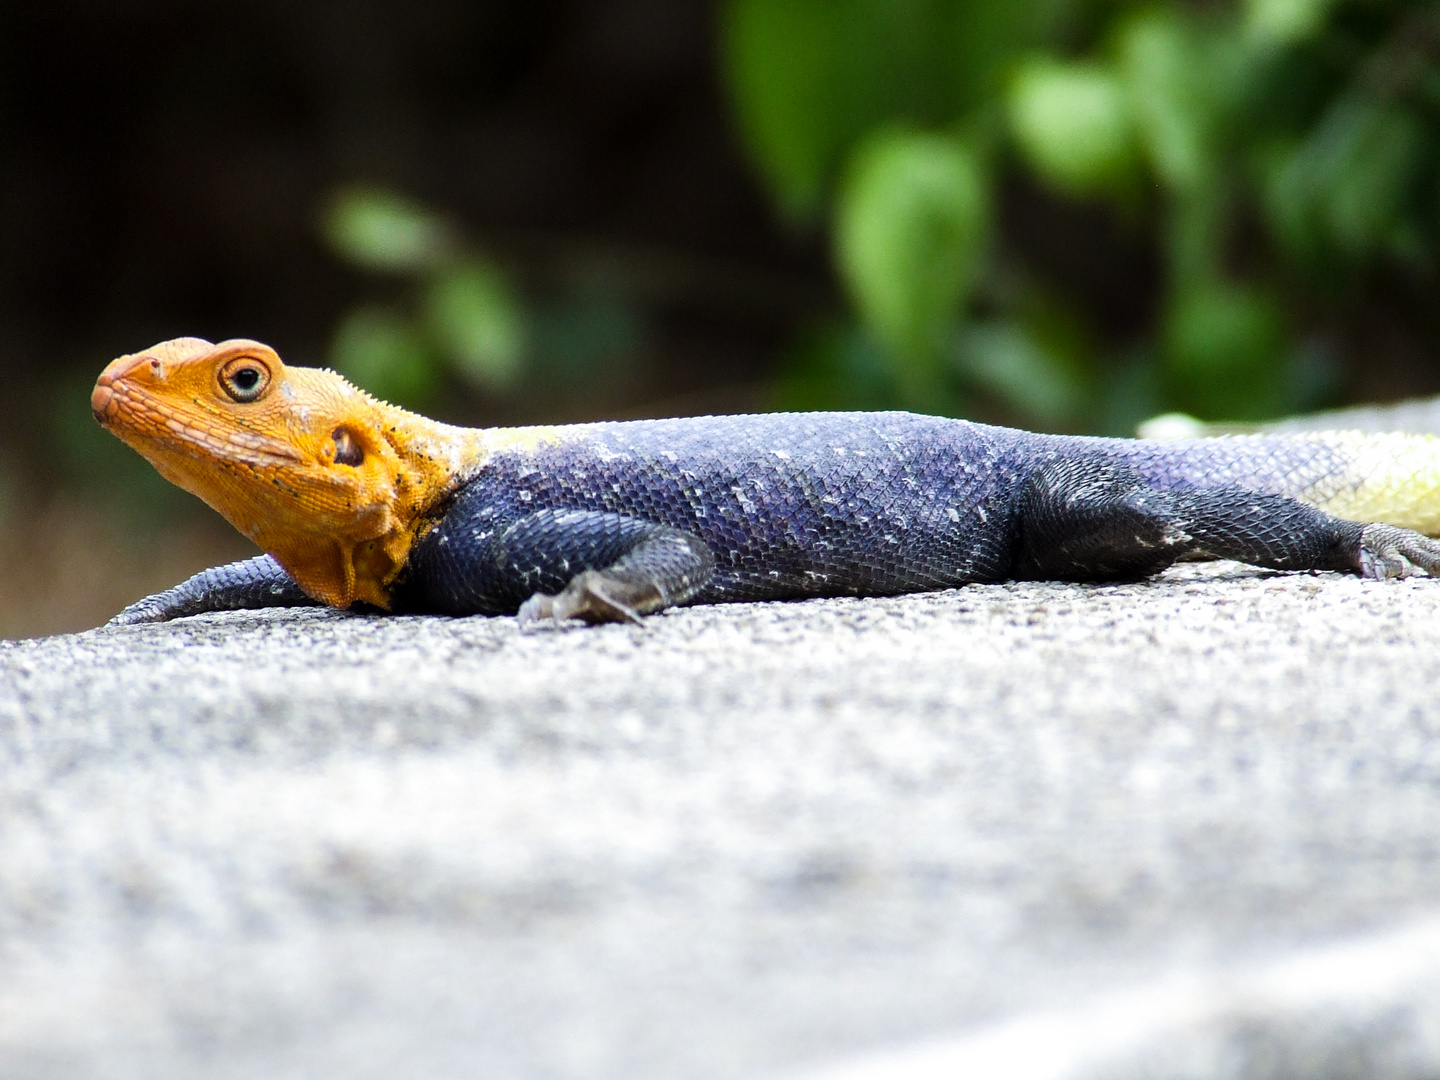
(809, 77)
(1349, 182)
(380, 230)
(475, 317)
(911, 227)
(1164, 73)
(898, 60)
(780, 57)
(385, 353)
(1072, 123)
(1285, 22)
(1224, 352)
(987, 37)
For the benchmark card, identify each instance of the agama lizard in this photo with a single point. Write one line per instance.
(356, 501)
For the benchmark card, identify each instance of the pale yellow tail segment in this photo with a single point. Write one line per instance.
(1392, 477)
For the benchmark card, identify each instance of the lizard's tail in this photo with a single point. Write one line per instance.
(1389, 477)
(1393, 477)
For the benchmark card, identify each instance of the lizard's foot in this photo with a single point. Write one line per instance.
(1390, 552)
(591, 596)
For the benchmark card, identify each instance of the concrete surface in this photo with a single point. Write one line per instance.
(1183, 828)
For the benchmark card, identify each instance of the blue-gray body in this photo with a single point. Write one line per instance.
(806, 504)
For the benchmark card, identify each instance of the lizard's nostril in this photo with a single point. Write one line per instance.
(120, 369)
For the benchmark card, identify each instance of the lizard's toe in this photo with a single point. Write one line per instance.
(540, 606)
(591, 596)
(140, 613)
(1390, 552)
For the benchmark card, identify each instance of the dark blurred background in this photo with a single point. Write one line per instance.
(1065, 214)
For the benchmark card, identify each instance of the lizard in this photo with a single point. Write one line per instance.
(357, 503)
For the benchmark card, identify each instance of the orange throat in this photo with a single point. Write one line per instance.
(332, 483)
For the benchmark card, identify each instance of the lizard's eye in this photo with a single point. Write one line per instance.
(244, 378)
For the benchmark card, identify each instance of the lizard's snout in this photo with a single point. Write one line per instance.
(103, 399)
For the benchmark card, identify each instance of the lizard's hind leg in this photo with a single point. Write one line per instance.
(1093, 519)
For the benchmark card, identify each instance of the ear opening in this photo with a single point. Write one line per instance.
(348, 450)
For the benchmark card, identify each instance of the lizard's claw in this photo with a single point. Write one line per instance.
(540, 606)
(588, 597)
(1390, 552)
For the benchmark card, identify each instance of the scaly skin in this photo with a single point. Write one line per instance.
(359, 501)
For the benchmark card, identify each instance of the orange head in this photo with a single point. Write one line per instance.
(331, 482)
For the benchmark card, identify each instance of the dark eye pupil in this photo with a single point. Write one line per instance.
(245, 378)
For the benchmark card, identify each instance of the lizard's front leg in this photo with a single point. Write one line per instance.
(558, 564)
(251, 583)
(666, 568)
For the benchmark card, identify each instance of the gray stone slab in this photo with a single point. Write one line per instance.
(750, 840)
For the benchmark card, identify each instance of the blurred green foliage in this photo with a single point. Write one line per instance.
(1274, 153)
(98, 467)
(381, 230)
(449, 316)
(910, 228)
(1276, 150)
(463, 318)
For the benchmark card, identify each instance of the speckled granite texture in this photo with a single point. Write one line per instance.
(1184, 828)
